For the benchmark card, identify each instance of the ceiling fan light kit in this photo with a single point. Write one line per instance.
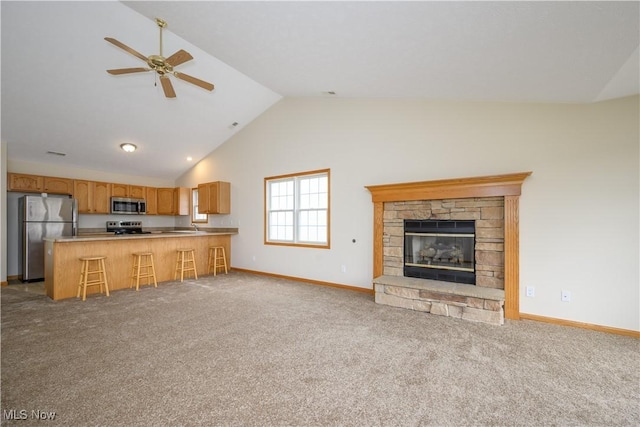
(161, 65)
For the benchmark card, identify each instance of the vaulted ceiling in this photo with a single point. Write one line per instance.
(57, 96)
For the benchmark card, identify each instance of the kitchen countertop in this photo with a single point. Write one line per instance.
(153, 235)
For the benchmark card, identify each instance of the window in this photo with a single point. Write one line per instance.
(297, 209)
(195, 216)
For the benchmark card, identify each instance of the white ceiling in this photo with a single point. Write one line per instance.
(56, 95)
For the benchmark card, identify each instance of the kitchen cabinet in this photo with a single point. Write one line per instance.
(56, 185)
(93, 197)
(165, 201)
(137, 191)
(151, 196)
(26, 183)
(39, 184)
(214, 198)
(126, 190)
(173, 201)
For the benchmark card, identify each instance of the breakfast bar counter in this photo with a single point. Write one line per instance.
(62, 256)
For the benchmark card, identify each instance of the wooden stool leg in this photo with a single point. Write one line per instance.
(182, 266)
(175, 274)
(153, 272)
(135, 272)
(82, 282)
(97, 271)
(193, 262)
(132, 277)
(210, 260)
(86, 278)
(179, 266)
(104, 275)
(224, 260)
(215, 262)
(138, 273)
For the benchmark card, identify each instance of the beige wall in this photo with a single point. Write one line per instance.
(579, 209)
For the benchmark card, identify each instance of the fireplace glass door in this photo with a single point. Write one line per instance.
(440, 250)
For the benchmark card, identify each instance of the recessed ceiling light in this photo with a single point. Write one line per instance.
(189, 158)
(129, 148)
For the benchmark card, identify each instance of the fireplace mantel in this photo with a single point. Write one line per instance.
(507, 186)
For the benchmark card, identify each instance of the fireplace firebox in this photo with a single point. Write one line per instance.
(440, 250)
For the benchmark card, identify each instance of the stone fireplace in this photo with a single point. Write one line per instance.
(453, 213)
(483, 218)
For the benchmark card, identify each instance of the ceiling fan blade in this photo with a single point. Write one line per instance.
(127, 70)
(167, 87)
(193, 80)
(127, 48)
(180, 57)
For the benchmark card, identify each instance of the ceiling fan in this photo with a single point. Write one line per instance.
(161, 65)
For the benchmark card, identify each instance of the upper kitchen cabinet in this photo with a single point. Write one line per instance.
(125, 190)
(214, 198)
(58, 185)
(93, 197)
(27, 183)
(164, 201)
(151, 196)
(173, 201)
(39, 184)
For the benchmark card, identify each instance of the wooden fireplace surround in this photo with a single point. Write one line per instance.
(508, 186)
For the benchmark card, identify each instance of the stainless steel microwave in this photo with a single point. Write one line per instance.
(123, 205)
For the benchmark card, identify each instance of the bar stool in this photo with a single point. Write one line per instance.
(92, 266)
(185, 262)
(143, 268)
(216, 254)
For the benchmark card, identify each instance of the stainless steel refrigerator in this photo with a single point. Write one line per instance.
(42, 217)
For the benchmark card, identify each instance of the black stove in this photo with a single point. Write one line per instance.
(125, 227)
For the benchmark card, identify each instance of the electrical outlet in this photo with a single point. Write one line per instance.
(531, 291)
(343, 268)
(565, 296)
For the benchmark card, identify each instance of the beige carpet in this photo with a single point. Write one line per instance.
(245, 350)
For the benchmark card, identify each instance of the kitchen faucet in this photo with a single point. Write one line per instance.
(194, 226)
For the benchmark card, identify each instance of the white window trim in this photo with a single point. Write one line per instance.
(295, 211)
(195, 216)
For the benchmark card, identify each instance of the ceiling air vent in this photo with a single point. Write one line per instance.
(55, 153)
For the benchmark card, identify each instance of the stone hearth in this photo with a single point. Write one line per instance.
(497, 263)
(466, 302)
